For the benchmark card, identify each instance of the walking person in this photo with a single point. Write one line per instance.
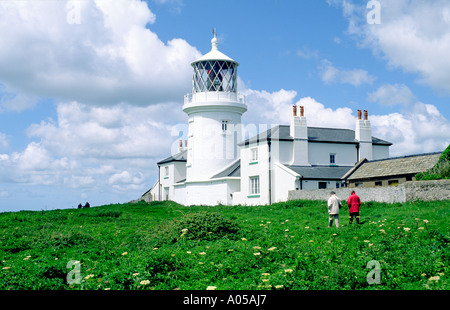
(334, 204)
(353, 203)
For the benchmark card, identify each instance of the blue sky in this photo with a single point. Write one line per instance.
(90, 91)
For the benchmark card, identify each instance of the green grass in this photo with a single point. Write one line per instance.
(286, 246)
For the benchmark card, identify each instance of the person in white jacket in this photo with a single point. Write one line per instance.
(333, 209)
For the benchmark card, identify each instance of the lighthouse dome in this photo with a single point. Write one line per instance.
(214, 54)
(214, 71)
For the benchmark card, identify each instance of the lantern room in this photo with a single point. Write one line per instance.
(214, 71)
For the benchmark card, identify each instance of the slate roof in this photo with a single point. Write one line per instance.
(315, 134)
(181, 156)
(233, 170)
(396, 166)
(321, 172)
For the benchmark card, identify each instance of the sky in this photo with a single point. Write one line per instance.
(91, 92)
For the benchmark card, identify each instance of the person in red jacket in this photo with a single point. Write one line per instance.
(353, 203)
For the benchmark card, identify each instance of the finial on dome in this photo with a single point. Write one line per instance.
(214, 41)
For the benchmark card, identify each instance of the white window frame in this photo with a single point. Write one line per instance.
(254, 154)
(255, 188)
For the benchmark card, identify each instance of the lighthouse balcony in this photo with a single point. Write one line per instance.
(214, 96)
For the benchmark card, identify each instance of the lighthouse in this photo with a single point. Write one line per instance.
(217, 166)
(214, 110)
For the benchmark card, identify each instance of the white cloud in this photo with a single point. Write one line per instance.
(418, 128)
(318, 115)
(422, 130)
(108, 57)
(4, 143)
(356, 77)
(101, 148)
(307, 53)
(391, 95)
(413, 35)
(268, 108)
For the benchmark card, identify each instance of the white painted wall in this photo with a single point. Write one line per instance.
(211, 192)
(319, 153)
(282, 152)
(180, 193)
(251, 168)
(209, 147)
(380, 151)
(314, 184)
(283, 180)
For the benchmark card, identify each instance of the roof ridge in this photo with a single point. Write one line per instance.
(405, 156)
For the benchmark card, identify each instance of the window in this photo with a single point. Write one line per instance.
(322, 185)
(378, 183)
(393, 183)
(166, 171)
(224, 125)
(166, 193)
(254, 185)
(332, 159)
(254, 158)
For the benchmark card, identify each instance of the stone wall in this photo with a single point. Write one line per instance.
(427, 190)
(409, 191)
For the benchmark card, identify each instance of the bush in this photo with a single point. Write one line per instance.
(440, 171)
(206, 226)
(196, 226)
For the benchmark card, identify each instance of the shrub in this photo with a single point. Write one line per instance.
(195, 226)
(440, 171)
(206, 226)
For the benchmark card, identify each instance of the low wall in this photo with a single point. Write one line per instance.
(408, 191)
(427, 190)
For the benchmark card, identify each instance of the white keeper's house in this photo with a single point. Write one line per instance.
(215, 165)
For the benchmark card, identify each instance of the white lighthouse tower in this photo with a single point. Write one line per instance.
(215, 109)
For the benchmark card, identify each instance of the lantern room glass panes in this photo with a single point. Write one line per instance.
(214, 75)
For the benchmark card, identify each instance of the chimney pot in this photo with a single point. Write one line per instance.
(302, 111)
(185, 143)
(366, 115)
(181, 143)
(294, 110)
(359, 114)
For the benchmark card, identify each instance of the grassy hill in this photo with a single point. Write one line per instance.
(165, 246)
